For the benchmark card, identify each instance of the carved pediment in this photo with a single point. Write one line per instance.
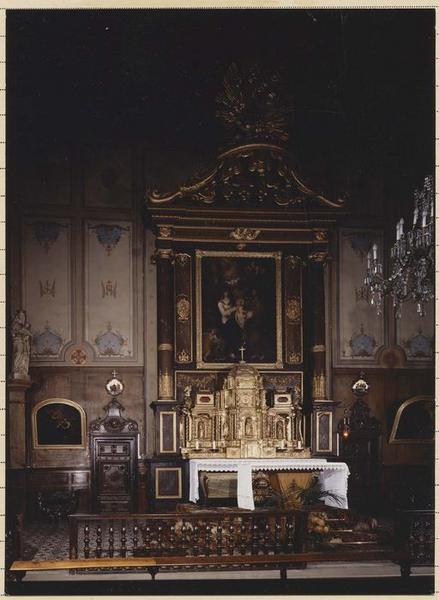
(253, 176)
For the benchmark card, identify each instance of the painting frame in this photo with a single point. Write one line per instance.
(276, 256)
(44, 446)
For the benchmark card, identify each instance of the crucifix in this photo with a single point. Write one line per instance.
(114, 374)
(242, 350)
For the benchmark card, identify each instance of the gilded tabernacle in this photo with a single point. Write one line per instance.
(237, 421)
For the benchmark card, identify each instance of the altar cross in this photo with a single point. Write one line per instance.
(242, 350)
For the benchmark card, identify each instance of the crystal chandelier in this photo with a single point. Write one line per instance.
(411, 260)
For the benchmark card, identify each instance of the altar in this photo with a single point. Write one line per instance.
(333, 476)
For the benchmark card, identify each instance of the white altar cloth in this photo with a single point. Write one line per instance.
(333, 476)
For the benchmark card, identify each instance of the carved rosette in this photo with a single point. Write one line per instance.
(293, 310)
(183, 308)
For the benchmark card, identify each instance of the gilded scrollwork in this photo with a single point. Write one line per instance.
(183, 356)
(293, 310)
(183, 308)
(244, 234)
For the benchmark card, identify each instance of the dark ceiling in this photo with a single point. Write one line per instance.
(362, 82)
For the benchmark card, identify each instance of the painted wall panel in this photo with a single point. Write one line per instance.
(47, 288)
(109, 299)
(360, 331)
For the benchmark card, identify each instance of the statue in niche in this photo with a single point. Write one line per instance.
(248, 428)
(280, 430)
(21, 342)
(201, 430)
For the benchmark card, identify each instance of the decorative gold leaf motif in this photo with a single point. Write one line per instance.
(294, 310)
(183, 308)
(244, 233)
(183, 357)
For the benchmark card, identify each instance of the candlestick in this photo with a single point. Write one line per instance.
(424, 217)
(197, 444)
(369, 260)
(401, 222)
(375, 251)
(398, 232)
(214, 445)
(415, 216)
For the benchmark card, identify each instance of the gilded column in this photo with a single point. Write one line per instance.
(317, 262)
(165, 324)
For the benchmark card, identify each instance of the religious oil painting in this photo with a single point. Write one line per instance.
(58, 423)
(238, 308)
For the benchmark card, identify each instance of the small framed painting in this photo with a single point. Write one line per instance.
(58, 423)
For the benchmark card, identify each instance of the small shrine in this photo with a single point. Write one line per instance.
(237, 422)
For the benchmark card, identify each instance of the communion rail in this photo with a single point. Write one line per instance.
(205, 540)
(206, 533)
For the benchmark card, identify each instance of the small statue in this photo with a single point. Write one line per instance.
(21, 342)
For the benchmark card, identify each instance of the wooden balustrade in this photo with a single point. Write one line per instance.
(234, 533)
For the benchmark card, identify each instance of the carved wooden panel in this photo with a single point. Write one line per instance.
(293, 352)
(168, 483)
(183, 308)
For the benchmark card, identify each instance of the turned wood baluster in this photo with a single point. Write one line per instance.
(289, 535)
(159, 540)
(111, 540)
(147, 539)
(231, 539)
(123, 540)
(171, 546)
(254, 538)
(86, 541)
(242, 538)
(277, 536)
(266, 537)
(219, 539)
(196, 542)
(208, 539)
(98, 541)
(183, 541)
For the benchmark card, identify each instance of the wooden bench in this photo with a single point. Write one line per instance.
(152, 565)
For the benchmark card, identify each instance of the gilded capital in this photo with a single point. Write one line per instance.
(162, 254)
(319, 257)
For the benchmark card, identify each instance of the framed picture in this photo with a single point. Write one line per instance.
(238, 309)
(58, 423)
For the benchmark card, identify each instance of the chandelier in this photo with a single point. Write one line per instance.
(411, 260)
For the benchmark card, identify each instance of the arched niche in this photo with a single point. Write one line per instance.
(58, 423)
(414, 422)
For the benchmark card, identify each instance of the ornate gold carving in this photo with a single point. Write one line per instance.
(322, 257)
(236, 421)
(244, 234)
(162, 254)
(252, 105)
(321, 236)
(165, 386)
(319, 386)
(294, 358)
(165, 346)
(294, 310)
(182, 259)
(294, 261)
(318, 348)
(183, 308)
(165, 231)
(183, 357)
